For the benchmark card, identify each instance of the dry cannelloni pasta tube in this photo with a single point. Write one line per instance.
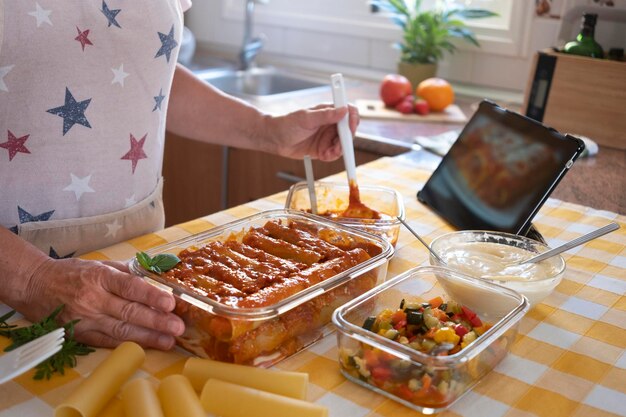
(140, 399)
(104, 382)
(230, 400)
(289, 384)
(178, 399)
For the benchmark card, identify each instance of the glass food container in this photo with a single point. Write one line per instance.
(332, 199)
(427, 383)
(261, 334)
(486, 254)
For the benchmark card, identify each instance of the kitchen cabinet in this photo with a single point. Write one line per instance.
(200, 179)
(193, 174)
(252, 175)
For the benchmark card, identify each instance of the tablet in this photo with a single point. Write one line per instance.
(499, 172)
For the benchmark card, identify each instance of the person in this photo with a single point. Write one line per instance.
(87, 90)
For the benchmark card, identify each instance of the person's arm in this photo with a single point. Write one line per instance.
(196, 110)
(112, 304)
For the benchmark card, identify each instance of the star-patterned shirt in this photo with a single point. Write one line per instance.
(84, 87)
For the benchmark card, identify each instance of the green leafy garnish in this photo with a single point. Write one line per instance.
(160, 263)
(57, 363)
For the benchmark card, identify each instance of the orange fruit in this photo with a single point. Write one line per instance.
(437, 92)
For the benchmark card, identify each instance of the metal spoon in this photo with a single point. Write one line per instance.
(421, 240)
(572, 244)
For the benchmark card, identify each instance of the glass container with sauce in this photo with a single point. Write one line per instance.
(334, 198)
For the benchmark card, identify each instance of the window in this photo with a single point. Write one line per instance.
(502, 35)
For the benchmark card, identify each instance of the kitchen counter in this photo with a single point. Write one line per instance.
(598, 181)
(569, 358)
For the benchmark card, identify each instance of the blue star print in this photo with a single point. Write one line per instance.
(110, 14)
(72, 112)
(26, 217)
(54, 255)
(158, 100)
(167, 44)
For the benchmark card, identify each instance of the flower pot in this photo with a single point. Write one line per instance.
(417, 73)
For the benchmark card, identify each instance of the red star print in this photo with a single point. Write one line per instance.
(15, 145)
(136, 150)
(82, 38)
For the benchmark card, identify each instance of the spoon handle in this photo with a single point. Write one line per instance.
(310, 182)
(414, 233)
(572, 244)
(343, 127)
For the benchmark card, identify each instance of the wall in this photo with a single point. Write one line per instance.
(360, 46)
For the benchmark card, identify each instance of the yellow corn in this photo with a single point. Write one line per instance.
(467, 339)
(446, 335)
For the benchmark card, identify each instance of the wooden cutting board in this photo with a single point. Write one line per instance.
(375, 109)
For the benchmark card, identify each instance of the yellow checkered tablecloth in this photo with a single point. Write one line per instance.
(569, 358)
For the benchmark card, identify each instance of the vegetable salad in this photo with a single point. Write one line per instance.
(435, 328)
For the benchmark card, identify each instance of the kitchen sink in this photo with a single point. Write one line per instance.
(260, 83)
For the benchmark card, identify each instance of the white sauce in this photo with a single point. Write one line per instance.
(494, 261)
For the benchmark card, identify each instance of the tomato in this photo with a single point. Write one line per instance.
(404, 392)
(381, 373)
(404, 107)
(394, 88)
(471, 317)
(371, 358)
(460, 330)
(398, 316)
(421, 107)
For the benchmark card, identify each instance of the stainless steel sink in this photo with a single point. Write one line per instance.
(260, 83)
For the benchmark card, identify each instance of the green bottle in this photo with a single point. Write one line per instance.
(585, 44)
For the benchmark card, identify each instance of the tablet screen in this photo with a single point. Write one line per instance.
(499, 171)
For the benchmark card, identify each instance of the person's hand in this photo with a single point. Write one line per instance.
(310, 132)
(112, 305)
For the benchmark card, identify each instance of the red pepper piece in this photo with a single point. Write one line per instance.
(460, 330)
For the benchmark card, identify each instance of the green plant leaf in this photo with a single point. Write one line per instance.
(426, 34)
(165, 261)
(57, 363)
(159, 263)
(144, 260)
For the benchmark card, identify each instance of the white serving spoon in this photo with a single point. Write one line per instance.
(356, 209)
(310, 182)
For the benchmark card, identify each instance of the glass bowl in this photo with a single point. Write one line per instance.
(274, 321)
(332, 199)
(488, 255)
(428, 383)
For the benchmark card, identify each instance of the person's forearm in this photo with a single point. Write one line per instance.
(198, 111)
(18, 262)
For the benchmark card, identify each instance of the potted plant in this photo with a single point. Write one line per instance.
(427, 34)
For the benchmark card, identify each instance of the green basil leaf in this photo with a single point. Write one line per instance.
(165, 261)
(144, 260)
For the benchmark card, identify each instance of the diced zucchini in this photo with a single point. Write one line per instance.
(391, 334)
(431, 321)
(369, 322)
(414, 317)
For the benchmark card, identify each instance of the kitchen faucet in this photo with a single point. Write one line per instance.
(251, 46)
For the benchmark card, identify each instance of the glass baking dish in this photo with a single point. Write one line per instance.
(425, 382)
(332, 199)
(264, 334)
